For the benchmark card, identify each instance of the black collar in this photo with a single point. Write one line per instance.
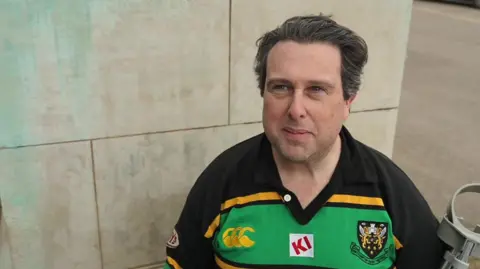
(353, 166)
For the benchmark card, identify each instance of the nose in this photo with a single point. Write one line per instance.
(297, 106)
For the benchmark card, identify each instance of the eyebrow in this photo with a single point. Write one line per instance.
(324, 83)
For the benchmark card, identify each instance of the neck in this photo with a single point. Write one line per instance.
(316, 169)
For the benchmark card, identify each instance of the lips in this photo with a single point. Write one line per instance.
(295, 131)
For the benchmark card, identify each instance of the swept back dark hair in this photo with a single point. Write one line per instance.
(312, 29)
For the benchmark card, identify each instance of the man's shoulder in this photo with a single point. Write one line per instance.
(225, 167)
(394, 182)
(230, 158)
(386, 169)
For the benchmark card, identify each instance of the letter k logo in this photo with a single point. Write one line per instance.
(301, 245)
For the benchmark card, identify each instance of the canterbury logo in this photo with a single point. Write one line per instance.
(237, 237)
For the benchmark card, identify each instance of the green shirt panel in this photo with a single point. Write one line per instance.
(263, 235)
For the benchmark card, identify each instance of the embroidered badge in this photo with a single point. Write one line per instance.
(238, 237)
(372, 237)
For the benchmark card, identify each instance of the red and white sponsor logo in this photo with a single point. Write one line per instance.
(301, 245)
(173, 241)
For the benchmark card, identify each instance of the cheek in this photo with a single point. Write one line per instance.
(272, 108)
(336, 112)
(272, 112)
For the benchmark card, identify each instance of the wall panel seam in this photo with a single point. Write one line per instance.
(99, 234)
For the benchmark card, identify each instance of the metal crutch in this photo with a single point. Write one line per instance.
(464, 243)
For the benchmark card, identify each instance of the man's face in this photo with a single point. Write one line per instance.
(303, 103)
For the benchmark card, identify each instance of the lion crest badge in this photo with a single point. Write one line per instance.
(372, 239)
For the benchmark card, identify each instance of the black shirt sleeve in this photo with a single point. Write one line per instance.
(191, 243)
(414, 224)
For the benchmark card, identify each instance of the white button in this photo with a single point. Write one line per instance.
(287, 198)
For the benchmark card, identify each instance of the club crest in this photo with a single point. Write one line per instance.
(372, 239)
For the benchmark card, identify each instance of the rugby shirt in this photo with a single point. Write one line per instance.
(239, 215)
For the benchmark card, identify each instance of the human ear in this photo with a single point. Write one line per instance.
(349, 102)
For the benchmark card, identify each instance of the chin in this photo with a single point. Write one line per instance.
(292, 153)
(296, 158)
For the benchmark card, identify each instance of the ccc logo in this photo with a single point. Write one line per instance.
(237, 237)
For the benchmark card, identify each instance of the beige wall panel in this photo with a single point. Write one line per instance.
(97, 68)
(49, 214)
(6, 256)
(383, 24)
(142, 183)
(374, 128)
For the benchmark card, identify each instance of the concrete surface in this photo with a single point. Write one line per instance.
(437, 135)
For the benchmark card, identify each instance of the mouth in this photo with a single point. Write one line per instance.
(295, 131)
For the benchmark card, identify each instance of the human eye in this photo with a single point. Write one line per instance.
(317, 89)
(280, 87)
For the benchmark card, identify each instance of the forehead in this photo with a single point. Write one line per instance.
(300, 61)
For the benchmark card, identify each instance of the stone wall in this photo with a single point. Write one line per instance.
(109, 110)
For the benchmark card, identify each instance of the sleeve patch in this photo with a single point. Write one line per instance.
(174, 241)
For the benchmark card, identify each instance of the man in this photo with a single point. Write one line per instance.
(305, 193)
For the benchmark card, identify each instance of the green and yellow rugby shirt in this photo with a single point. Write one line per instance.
(239, 215)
